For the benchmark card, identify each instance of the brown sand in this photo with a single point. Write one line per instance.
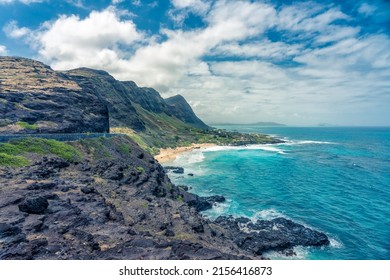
(169, 154)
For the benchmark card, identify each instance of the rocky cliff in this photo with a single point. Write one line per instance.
(183, 111)
(36, 99)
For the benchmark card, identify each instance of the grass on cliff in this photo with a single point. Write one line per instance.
(15, 152)
(27, 125)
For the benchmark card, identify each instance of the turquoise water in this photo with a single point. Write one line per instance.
(336, 180)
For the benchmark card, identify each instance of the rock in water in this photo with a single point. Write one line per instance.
(278, 234)
(36, 205)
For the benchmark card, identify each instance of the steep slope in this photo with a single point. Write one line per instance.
(115, 95)
(36, 99)
(183, 111)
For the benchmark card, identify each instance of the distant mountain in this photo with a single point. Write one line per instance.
(257, 124)
(183, 111)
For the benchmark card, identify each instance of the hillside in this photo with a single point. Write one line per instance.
(36, 99)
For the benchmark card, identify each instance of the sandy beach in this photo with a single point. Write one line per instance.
(169, 154)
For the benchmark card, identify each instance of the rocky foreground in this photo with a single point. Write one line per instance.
(116, 202)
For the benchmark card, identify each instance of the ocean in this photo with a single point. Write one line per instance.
(333, 179)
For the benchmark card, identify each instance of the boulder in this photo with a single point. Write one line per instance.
(35, 205)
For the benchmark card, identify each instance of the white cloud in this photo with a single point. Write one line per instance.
(265, 49)
(182, 8)
(3, 50)
(71, 42)
(12, 30)
(162, 65)
(367, 9)
(22, 1)
(198, 6)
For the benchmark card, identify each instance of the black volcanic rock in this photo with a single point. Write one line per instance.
(278, 234)
(148, 98)
(36, 99)
(113, 93)
(183, 111)
(35, 205)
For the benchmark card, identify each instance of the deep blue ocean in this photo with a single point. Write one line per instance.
(335, 180)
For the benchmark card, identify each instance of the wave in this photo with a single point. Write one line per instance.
(187, 158)
(267, 214)
(305, 142)
(333, 243)
(263, 147)
(301, 253)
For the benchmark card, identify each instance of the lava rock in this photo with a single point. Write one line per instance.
(36, 205)
(205, 203)
(175, 169)
(87, 190)
(41, 186)
(8, 230)
(278, 234)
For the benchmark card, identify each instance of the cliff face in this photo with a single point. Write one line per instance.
(113, 93)
(139, 108)
(183, 111)
(36, 99)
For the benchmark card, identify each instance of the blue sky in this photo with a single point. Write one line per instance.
(294, 62)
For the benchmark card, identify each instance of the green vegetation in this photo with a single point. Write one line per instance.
(14, 152)
(164, 131)
(27, 125)
(140, 169)
(180, 199)
(124, 149)
(13, 161)
(97, 147)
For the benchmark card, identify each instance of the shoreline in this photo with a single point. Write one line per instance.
(170, 154)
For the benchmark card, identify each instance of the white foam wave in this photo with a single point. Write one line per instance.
(269, 148)
(268, 214)
(306, 142)
(219, 209)
(192, 157)
(301, 253)
(334, 243)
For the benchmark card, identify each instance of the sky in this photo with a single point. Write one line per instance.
(242, 61)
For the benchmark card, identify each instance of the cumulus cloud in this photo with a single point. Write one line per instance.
(3, 50)
(367, 9)
(12, 30)
(95, 44)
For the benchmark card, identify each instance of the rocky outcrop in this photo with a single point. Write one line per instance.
(183, 111)
(278, 234)
(36, 99)
(113, 93)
